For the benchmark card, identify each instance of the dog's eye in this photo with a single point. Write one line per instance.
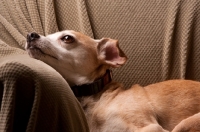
(67, 39)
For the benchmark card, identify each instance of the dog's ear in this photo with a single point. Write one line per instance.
(110, 53)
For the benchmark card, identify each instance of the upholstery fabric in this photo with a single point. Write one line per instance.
(36, 98)
(160, 37)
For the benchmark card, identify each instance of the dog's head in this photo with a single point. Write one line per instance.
(77, 57)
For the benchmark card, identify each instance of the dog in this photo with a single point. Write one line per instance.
(85, 63)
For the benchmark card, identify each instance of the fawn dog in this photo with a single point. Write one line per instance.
(84, 63)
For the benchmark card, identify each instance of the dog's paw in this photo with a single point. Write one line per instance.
(191, 124)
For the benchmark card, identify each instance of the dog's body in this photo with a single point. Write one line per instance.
(170, 105)
(143, 109)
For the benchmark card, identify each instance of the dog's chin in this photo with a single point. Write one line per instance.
(37, 53)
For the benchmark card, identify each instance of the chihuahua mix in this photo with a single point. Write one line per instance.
(84, 63)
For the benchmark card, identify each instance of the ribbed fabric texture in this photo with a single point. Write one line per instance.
(160, 37)
(36, 98)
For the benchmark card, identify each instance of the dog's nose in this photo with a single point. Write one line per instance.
(32, 36)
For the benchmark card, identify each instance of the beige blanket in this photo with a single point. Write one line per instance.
(160, 37)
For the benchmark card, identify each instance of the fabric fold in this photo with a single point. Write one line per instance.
(53, 108)
(178, 35)
(169, 37)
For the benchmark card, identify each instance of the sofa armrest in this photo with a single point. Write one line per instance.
(35, 97)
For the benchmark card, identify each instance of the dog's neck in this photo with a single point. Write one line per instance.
(93, 88)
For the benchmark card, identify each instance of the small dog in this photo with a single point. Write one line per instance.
(85, 62)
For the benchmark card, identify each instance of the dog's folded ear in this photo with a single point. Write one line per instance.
(110, 53)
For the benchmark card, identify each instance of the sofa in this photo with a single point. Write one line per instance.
(160, 37)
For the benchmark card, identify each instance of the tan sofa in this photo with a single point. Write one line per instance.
(160, 37)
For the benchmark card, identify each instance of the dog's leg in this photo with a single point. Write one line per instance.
(190, 124)
(153, 128)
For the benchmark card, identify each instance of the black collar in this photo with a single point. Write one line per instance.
(93, 88)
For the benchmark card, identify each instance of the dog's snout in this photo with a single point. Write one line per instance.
(32, 36)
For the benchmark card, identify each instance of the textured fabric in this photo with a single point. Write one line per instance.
(36, 98)
(161, 39)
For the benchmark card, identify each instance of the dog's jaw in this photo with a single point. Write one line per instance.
(77, 79)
